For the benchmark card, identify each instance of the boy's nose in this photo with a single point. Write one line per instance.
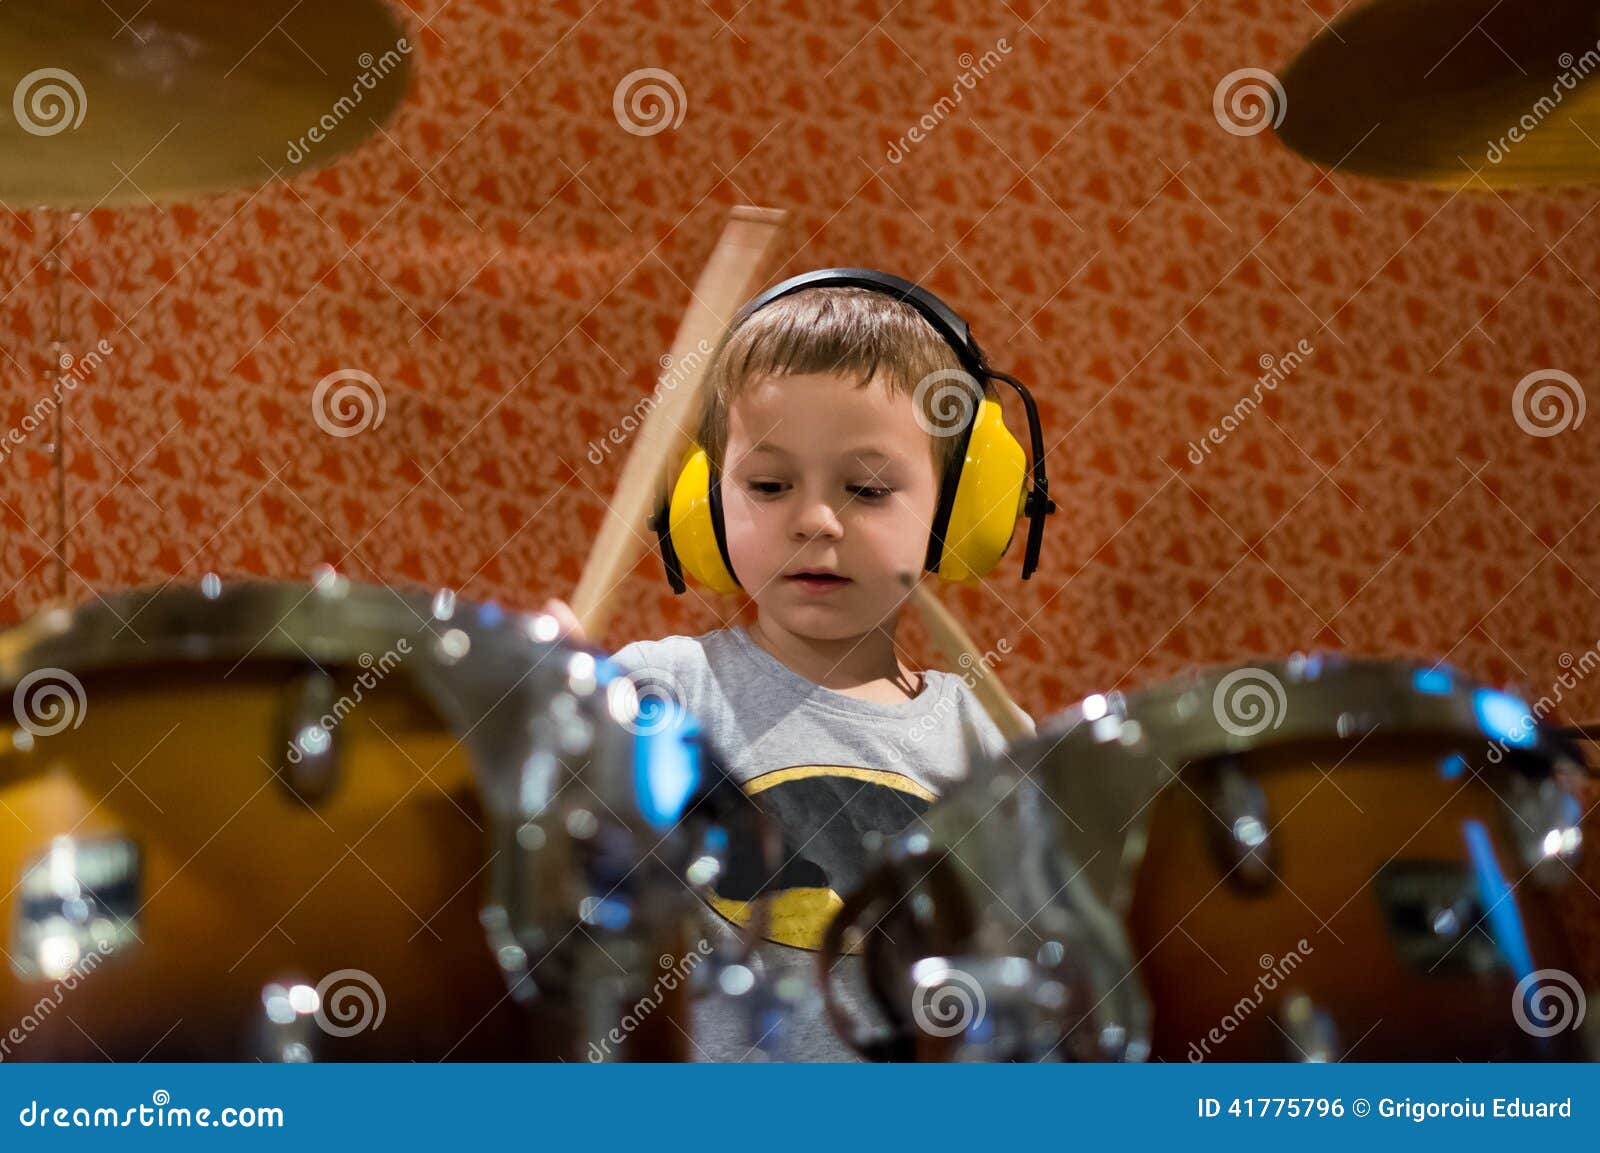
(815, 518)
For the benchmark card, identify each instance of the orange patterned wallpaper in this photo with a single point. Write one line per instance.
(508, 263)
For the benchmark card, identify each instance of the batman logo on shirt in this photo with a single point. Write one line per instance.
(824, 812)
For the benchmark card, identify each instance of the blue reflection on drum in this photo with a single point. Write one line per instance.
(1504, 717)
(667, 765)
(1499, 905)
(666, 762)
(1434, 682)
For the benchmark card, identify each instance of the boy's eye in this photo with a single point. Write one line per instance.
(865, 492)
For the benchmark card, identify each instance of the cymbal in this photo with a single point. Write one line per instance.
(1435, 90)
(126, 102)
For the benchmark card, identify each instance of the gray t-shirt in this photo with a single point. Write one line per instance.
(837, 774)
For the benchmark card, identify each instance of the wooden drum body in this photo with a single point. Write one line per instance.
(1321, 858)
(305, 822)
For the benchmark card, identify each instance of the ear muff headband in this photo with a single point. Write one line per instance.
(984, 492)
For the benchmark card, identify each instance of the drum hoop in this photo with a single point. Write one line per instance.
(498, 666)
(1323, 696)
(330, 620)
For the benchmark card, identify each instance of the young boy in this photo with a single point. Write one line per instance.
(830, 471)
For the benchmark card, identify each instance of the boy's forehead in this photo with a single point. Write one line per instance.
(823, 413)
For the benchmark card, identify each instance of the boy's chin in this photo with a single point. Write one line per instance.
(823, 622)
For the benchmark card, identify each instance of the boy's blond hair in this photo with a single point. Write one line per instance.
(855, 332)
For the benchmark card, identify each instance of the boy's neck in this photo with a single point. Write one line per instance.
(843, 664)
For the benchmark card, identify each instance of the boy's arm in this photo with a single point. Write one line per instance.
(631, 658)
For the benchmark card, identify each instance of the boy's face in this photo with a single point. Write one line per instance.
(822, 475)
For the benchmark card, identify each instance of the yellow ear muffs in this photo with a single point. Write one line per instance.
(990, 497)
(693, 530)
(989, 500)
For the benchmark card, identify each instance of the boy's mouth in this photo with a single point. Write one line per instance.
(816, 580)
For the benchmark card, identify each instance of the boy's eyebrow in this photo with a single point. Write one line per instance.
(858, 454)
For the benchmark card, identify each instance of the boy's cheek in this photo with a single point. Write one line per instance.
(897, 546)
(755, 558)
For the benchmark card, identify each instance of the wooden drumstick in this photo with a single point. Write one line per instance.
(963, 654)
(727, 281)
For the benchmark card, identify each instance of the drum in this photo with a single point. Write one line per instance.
(982, 940)
(1311, 859)
(329, 821)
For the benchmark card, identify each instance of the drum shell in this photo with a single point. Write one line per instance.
(242, 883)
(1207, 938)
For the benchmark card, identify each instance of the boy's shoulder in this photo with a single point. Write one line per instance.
(692, 666)
(674, 654)
(973, 716)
